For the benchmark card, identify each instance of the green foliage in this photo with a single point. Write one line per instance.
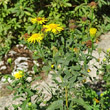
(56, 105)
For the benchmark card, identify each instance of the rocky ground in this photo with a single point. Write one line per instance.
(102, 46)
(6, 96)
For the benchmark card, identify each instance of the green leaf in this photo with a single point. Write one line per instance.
(24, 104)
(81, 102)
(29, 9)
(27, 13)
(16, 97)
(38, 78)
(46, 68)
(108, 67)
(76, 67)
(30, 93)
(56, 105)
(68, 4)
(15, 106)
(40, 13)
(9, 87)
(107, 27)
(69, 57)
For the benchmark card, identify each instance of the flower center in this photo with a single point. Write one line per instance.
(39, 19)
(53, 26)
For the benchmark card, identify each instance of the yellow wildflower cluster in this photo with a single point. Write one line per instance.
(38, 20)
(92, 31)
(35, 37)
(55, 28)
(18, 74)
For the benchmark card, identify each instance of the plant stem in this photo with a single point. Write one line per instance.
(40, 51)
(66, 95)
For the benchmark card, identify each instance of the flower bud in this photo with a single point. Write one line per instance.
(104, 59)
(9, 60)
(29, 104)
(108, 50)
(35, 53)
(88, 70)
(84, 19)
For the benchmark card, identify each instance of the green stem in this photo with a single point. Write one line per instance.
(92, 12)
(66, 95)
(40, 51)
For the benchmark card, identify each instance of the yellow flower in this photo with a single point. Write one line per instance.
(18, 74)
(88, 70)
(33, 20)
(38, 20)
(96, 100)
(92, 31)
(52, 66)
(35, 37)
(55, 28)
(101, 94)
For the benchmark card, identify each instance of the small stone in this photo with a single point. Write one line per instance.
(1, 63)
(3, 68)
(12, 52)
(29, 79)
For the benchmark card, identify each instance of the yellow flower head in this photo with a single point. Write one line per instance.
(38, 20)
(52, 66)
(33, 20)
(101, 94)
(96, 100)
(55, 28)
(88, 70)
(18, 74)
(92, 31)
(35, 37)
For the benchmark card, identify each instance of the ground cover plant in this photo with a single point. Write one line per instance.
(58, 32)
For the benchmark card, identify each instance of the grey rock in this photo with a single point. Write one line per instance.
(1, 63)
(12, 52)
(3, 68)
